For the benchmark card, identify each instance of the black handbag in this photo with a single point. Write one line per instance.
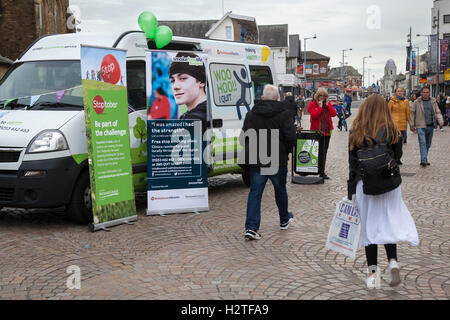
(379, 171)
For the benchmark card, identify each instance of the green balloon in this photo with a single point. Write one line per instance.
(148, 22)
(163, 36)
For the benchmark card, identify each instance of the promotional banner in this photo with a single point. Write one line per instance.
(413, 63)
(408, 58)
(177, 113)
(307, 156)
(444, 54)
(103, 73)
(434, 53)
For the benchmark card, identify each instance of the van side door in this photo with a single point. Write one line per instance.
(231, 97)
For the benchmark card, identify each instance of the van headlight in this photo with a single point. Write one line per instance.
(46, 141)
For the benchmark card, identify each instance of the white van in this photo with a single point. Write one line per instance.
(43, 151)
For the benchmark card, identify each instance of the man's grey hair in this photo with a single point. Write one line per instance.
(270, 93)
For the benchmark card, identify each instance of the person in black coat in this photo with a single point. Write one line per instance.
(268, 130)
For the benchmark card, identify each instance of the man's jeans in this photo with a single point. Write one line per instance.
(257, 185)
(425, 136)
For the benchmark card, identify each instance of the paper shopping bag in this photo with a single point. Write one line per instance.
(344, 233)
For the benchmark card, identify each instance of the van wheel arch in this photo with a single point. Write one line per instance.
(80, 205)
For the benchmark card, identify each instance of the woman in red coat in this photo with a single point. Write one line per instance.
(321, 111)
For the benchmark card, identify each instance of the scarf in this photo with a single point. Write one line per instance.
(325, 122)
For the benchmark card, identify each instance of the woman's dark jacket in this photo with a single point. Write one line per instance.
(354, 170)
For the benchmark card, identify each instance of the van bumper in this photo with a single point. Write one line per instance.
(51, 187)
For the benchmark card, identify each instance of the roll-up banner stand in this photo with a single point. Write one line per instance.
(308, 162)
(177, 112)
(103, 72)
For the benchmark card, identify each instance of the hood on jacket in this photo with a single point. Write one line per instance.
(395, 99)
(268, 108)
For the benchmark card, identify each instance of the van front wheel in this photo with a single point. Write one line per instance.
(80, 206)
(246, 177)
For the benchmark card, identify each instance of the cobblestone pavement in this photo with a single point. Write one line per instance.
(205, 256)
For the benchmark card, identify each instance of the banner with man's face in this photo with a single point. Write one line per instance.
(177, 115)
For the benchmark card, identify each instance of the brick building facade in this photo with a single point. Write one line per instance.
(21, 22)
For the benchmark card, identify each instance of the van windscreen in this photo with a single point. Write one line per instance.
(46, 81)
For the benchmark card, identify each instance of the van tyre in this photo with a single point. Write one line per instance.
(80, 206)
(246, 177)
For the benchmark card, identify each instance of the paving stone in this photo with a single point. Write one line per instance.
(204, 256)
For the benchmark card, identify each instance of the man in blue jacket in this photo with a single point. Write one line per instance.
(348, 103)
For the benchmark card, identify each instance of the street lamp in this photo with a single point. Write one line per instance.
(304, 57)
(364, 60)
(425, 35)
(343, 65)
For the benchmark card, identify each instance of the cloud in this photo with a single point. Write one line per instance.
(339, 24)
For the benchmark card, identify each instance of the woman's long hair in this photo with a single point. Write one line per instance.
(373, 115)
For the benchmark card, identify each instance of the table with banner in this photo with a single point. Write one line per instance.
(307, 162)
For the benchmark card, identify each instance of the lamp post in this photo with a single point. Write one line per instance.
(304, 57)
(364, 60)
(343, 65)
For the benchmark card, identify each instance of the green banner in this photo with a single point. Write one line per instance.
(108, 137)
(307, 156)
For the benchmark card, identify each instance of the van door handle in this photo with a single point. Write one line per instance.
(217, 123)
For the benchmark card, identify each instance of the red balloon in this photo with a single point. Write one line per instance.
(110, 69)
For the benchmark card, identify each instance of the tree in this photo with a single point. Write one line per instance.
(140, 130)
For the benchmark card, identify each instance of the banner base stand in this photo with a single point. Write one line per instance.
(168, 211)
(307, 180)
(104, 226)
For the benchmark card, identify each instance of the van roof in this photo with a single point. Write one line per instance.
(67, 46)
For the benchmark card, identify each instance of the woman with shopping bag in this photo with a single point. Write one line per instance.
(385, 219)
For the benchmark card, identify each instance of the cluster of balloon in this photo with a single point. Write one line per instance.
(148, 23)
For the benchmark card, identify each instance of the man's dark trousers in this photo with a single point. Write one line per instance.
(257, 185)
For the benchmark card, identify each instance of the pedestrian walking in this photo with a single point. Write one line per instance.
(442, 102)
(423, 117)
(447, 111)
(412, 98)
(321, 111)
(341, 114)
(348, 103)
(385, 219)
(273, 126)
(300, 107)
(399, 108)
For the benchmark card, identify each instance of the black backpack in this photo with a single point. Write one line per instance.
(378, 169)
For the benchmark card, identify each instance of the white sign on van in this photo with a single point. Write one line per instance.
(231, 84)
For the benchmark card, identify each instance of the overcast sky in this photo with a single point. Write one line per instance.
(370, 27)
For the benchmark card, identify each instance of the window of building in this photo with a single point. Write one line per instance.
(447, 18)
(228, 33)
